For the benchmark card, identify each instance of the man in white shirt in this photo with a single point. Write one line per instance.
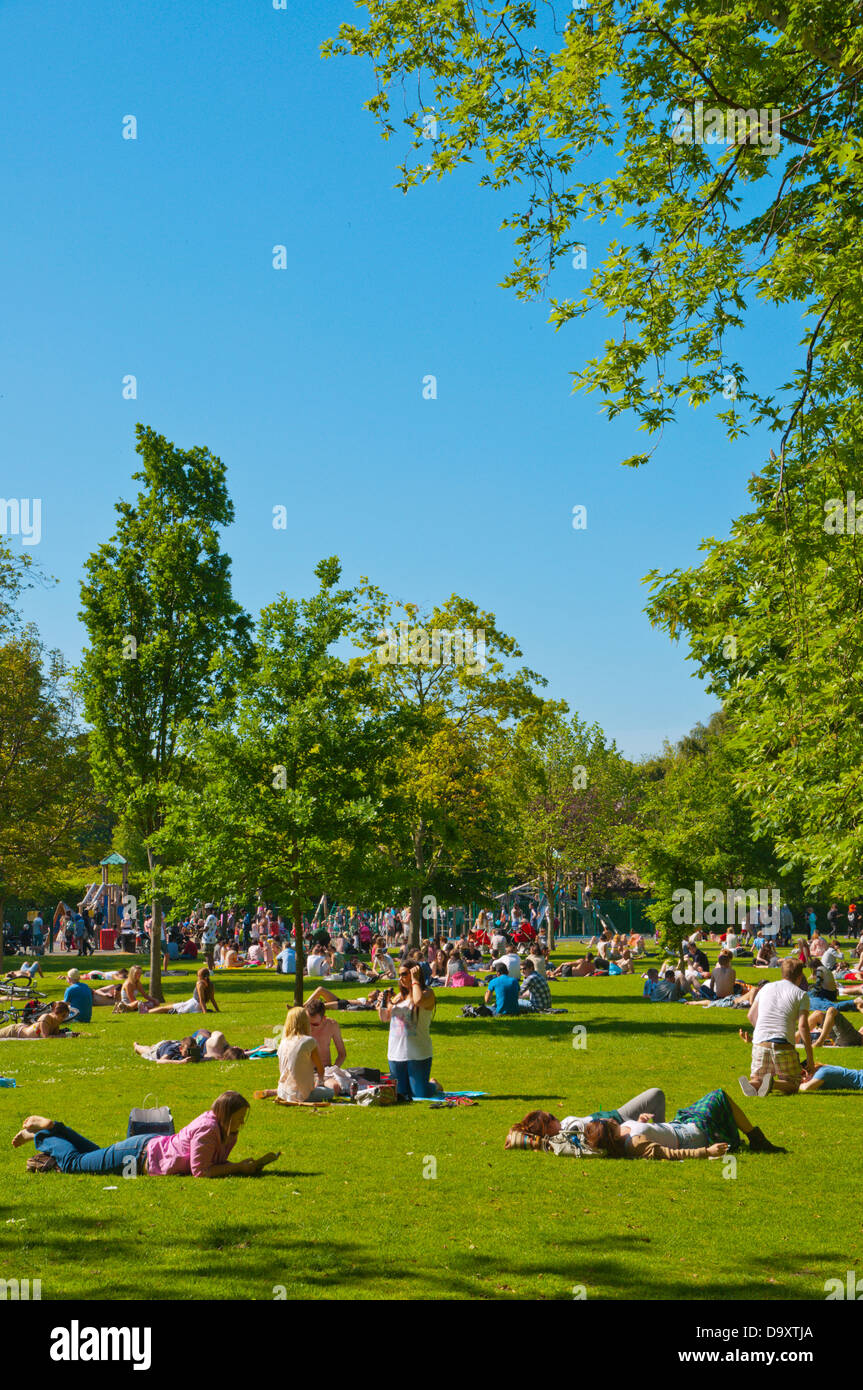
(512, 963)
(385, 965)
(208, 937)
(317, 964)
(779, 1008)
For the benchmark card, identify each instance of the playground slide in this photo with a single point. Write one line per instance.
(92, 895)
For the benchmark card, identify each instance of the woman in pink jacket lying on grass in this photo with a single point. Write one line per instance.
(201, 1150)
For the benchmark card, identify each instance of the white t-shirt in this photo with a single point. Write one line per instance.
(513, 964)
(297, 1076)
(385, 965)
(780, 1005)
(670, 1136)
(318, 965)
(410, 1034)
(211, 927)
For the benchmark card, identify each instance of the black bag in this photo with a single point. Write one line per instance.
(156, 1121)
(369, 1074)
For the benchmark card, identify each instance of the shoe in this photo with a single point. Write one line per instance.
(758, 1144)
(766, 1085)
(746, 1086)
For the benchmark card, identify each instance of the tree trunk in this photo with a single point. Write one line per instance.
(156, 952)
(297, 909)
(416, 915)
(549, 894)
(155, 935)
(2, 934)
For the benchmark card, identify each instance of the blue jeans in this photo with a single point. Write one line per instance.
(820, 1001)
(412, 1078)
(75, 1154)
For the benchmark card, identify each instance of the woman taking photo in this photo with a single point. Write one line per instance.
(200, 1150)
(409, 1050)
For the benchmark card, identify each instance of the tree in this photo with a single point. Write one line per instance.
(158, 608)
(772, 617)
(286, 778)
(46, 793)
(694, 824)
(735, 175)
(571, 795)
(447, 677)
(736, 179)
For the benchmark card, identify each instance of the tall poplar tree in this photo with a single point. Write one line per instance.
(158, 607)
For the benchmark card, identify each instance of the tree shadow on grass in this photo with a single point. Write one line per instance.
(255, 1262)
(667, 1026)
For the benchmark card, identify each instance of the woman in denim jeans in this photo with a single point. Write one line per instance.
(201, 1149)
(409, 1050)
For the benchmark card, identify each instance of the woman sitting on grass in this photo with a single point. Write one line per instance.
(457, 976)
(301, 1067)
(707, 1129)
(133, 996)
(200, 1150)
(205, 994)
(46, 1026)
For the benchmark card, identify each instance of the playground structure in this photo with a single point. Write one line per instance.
(107, 895)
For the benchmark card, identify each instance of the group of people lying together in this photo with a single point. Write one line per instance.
(709, 1128)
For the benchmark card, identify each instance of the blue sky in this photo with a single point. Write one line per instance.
(153, 257)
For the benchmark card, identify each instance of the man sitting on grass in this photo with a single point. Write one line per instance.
(535, 996)
(502, 992)
(665, 991)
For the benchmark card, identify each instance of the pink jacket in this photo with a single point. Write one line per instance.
(194, 1150)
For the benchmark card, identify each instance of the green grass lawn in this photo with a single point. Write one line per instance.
(347, 1213)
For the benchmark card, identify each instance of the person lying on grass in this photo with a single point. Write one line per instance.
(709, 1128)
(26, 972)
(201, 1149)
(117, 977)
(48, 1025)
(186, 1050)
(203, 997)
(731, 1001)
(833, 1079)
(827, 1028)
(573, 969)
